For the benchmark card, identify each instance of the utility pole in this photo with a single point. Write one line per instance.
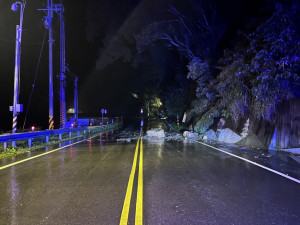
(62, 67)
(58, 8)
(17, 108)
(51, 41)
(48, 25)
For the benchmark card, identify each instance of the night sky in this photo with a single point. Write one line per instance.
(101, 49)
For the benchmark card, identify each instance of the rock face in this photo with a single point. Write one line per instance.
(156, 133)
(188, 134)
(228, 136)
(211, 135)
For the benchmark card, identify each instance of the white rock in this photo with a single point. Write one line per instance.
(188, 134)
(228, 136)
(204, 137)
(156, 133)
(185, 134)
(211, 135)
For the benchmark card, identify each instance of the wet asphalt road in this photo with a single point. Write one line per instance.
(184, 183)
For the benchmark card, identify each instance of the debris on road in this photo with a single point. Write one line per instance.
(228, 136)
(156, 133)
(189, 134)
(211, 135)
(124, 139)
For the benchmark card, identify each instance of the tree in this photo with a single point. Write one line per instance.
(255, 78)
(193, 31)
(268, 70)
(274, 66)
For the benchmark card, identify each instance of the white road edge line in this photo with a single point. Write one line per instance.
(254, 163)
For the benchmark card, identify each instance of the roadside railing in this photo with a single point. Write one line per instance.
(7, 138)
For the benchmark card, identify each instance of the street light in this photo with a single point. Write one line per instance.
(102, 111)
(14, 7)
(16, 108)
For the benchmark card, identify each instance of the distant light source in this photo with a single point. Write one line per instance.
(134, 95)
(32, 128)
(71, 110)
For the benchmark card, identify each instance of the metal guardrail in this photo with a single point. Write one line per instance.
(5, 139)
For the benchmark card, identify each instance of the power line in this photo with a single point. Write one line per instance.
(36, 72)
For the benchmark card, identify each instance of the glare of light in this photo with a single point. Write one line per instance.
(159, 152)
(71, 110)
(90, 145)
(32, 128)
(134, 95)
(158, 102)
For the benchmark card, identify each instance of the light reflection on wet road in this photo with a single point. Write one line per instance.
(184, 183)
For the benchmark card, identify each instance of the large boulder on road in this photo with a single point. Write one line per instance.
(211, 135)
(228, 136)
(156, 133)
(188, 134)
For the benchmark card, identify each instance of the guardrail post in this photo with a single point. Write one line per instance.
(4, 146)
(84, 132)
(47, 139)
(89, 131)
(13, 143)
(29, 142)
(78, 133)
(60, 136)
(70, 134)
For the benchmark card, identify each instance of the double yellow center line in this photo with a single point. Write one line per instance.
(139, 198)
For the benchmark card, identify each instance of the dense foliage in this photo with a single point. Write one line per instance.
(251, 79)
(255, 78)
